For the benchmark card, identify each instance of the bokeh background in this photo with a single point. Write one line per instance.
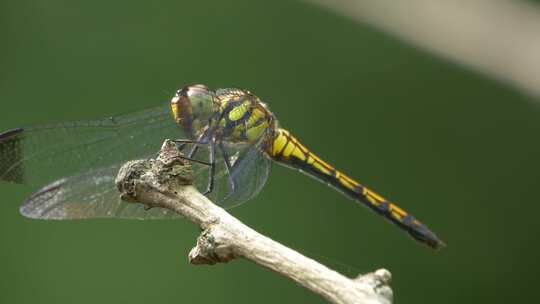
(456, 148)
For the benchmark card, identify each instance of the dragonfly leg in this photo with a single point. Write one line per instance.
(186, 141)
(202, 162)
(181, 143)
(196, 145)
(211, 174)
(229, 169)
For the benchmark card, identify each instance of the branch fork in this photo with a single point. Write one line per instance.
(166, 182)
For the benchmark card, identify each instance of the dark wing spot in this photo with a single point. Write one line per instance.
(10, 133)
(11, 155)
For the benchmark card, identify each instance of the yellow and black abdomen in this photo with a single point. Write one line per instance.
(287, 150)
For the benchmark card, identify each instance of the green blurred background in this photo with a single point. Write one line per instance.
(458, 150)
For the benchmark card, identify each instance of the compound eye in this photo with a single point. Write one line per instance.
(193, 90)
(192, 106)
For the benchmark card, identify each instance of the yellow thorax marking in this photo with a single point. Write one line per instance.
(239, 110)
(255, 132)
(254, 117)
(174, 108)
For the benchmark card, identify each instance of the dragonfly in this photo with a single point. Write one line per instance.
(229, 135)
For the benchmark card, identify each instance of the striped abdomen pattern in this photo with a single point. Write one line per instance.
(287, 150)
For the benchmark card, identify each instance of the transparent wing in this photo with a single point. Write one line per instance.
(90, 154)
(249, 173)
(93, 194)
(41, 154)
(89, 195)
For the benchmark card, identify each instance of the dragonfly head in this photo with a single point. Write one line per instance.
(192, 107)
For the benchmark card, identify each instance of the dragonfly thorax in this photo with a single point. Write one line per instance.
(231, 115)
(242, 117)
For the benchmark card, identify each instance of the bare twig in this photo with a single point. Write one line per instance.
(499, 38)
(165, 183)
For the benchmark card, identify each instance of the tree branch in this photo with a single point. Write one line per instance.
(166, 183)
